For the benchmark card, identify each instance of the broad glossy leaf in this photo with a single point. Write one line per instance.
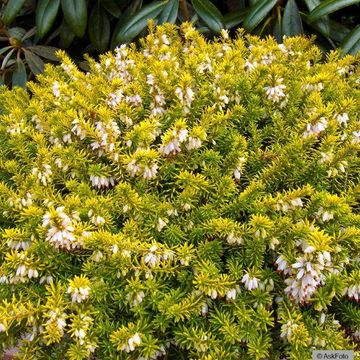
(209, 13)
(29, 34)
(312, 4)
(203, 30)
(329, 6)
(170, 12)
(6, 61)
(17, 33)
(277, 30)
(99, 28)
(338, 31)
(133, 7)
(75, 14)
(257, 13)
(46, 12)
(127, 14)
(234, 18)
(323, 24)
(291, 22)
(111, 7)
(19, 75)
(12, 8)
(351, 43)
(54, 34)
(5, 49)
(47, 52)
(128, 30)
(66, 35)
(84, 65)
(35, 63)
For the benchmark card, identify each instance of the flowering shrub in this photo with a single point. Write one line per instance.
(183, 200)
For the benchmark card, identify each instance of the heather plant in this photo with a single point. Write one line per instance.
(27, 28)
(183, 199)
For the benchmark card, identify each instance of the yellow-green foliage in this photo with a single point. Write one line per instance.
(183, 200)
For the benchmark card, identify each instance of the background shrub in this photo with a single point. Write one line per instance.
(182, 200)
(94, 26)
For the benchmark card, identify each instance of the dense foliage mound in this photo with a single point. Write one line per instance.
(183, 200)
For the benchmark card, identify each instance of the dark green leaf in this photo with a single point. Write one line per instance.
(111, 7)
(234, 18)
(46, 12)
(128, 30)
(351, 43)
(13, 7)
(11, 62)
(84, 65)
(311, 4)
(99, 28)
(47, 52)
(329, 6)
(4, 49)
(291, 22)
(131, 9)
(338, 31)
(17, 33)
(5, 61)
(75, 14)
(36, 65)
(204, 30)
(277, 30)
(29, 34)
(66, 35)
(322, 25)
(257, 13)
(170, 12)
(209, 13)
(19, 75)
(53, 35)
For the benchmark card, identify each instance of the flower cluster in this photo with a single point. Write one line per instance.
(239, 168)
(313, 87)
(79, 289)
(123, 64)
(186, 97)
(250, 282)
(135, 299)
(61, 229)
(233, 239)
(80, 327)
(96, 219)
(324, 215)
(353, 288)
(132, 343)
(106, 135)
(22, 272)
(317, 128)
(56, 319)
(285, 206)
(276, 93)
(101, 181)
(304, 276)
(288, 329)
(173, 140)
(147, 172)
(43, 174)
(158, 100)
